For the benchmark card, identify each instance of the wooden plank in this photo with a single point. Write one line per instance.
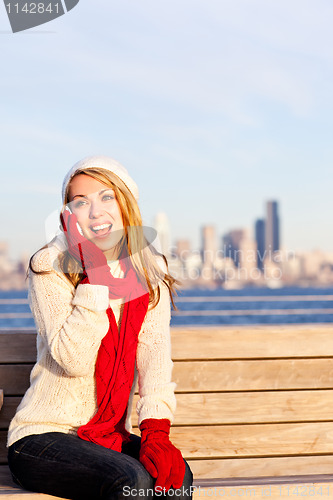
(14, 379)
(242, 481)
(251, 407)
(6, 478)
(3, 449)
(25, 495)
(271, 341)
(9, 490)
(253, 441)
(254, 407)
(8, 410)
(17, 347)
(257, 440)
(261, 467)
(210, 376)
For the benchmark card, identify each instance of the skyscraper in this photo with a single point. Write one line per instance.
(183, 249)
(231, 242)
(261, 244)
(247, 257)
(272, 231)
(208, 238)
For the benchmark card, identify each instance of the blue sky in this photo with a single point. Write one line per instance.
(214, 106)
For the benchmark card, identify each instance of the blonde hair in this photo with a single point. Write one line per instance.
(142, 255)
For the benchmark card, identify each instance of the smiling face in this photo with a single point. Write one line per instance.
(97, 211)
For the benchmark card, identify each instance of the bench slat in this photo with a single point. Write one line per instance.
(3, 449)
(253, 407)
(8, 410)
(211, 376)
(14, 379)
(323, 491)
(17, 347)
(237, 342)
(258, 467)
(254, 440)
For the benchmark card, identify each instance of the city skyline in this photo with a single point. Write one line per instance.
(233, 259)
(161, 223)
(225, 239)
(213, 265)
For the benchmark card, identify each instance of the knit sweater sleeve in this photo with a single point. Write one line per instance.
(154, 364)
(71, 322)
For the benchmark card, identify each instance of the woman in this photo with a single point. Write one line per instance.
(100, 296)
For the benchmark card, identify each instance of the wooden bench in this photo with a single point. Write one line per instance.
(254, 414)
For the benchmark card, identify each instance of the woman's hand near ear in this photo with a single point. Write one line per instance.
(92, 259)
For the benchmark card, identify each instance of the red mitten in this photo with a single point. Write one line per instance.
(159, 456)
(93, 260)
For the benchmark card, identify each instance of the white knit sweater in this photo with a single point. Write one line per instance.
(71, 324)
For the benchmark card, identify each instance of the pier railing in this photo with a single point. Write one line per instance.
(218, 306)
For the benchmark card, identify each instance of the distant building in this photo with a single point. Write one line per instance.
(162, 227)
(182, 249)
(248, 258)
(272, 229)
(261, 243)
(193, 266)
(209, 251)
(5, 263)
(4, 250)
(12, 273)
(231, 244)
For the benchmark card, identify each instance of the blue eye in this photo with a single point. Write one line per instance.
(79, 203)
(107, 197)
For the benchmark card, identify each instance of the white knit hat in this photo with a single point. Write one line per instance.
(102, 162)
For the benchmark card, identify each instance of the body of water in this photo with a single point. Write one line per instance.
(251, 306)
(248, 306)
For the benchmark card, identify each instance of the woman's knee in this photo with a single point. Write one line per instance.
(141, 479)
(135, 482)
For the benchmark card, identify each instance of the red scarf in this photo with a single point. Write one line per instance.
(115, 364)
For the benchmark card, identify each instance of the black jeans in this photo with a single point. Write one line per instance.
(66, 466)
